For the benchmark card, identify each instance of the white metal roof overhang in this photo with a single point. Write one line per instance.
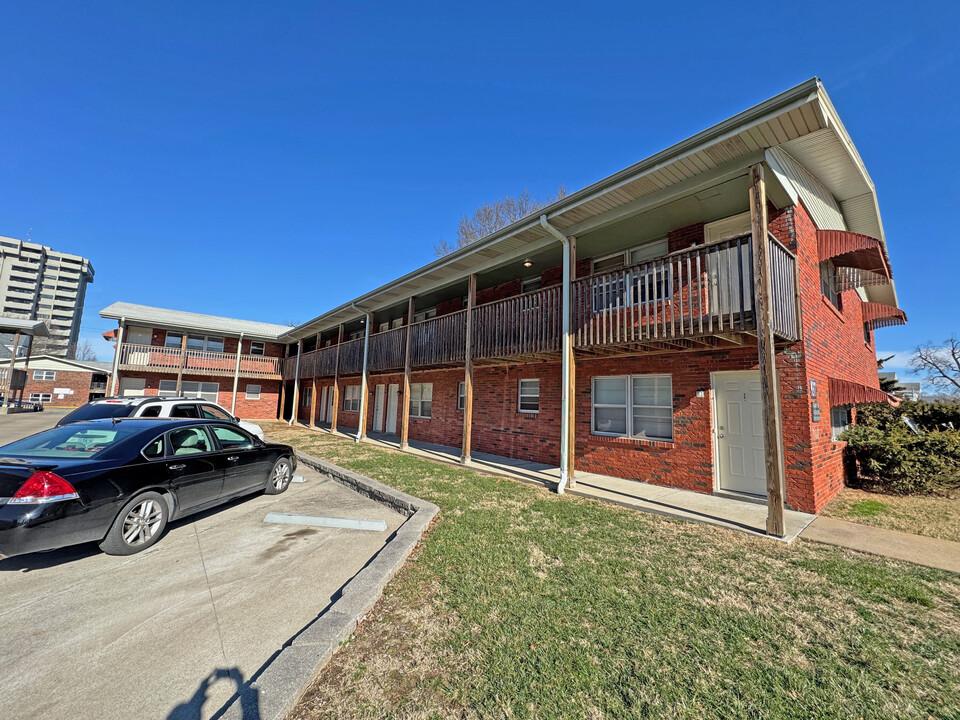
(133, 314)
(10, 326)
(801, 120)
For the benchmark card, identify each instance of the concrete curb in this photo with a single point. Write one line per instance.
(281, 682)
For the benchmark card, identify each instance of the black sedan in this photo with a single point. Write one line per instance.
(118, 482)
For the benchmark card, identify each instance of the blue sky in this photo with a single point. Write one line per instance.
(269, 162)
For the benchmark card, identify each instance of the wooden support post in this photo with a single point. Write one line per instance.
(312, 421)
(8, 392)
(116, 360)
(405, 399)
(183, 362)
(295, 410)
(283, 381)
(468, 370)
(766, 352)
(336, 383)
(572, 387)
(236, 375)
(364, 380)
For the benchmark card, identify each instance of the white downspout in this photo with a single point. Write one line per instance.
(296, 386)
(565, 354)
(363, 376)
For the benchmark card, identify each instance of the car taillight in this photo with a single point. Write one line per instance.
(44, 487)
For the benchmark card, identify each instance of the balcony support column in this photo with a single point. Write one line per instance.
(8, 391)
(362, 422)
(572, 373)
(468, 371)
(336, 382)
(566, 354)
(236, 375)
(766, 352)
(183, 361)
(405, 399)
(296, 386)
(116, 359)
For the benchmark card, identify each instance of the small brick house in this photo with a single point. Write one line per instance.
(234, 363)
(720, 298)
(58, 382)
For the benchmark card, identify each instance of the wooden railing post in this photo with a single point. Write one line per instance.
(336, 382)
(769, 387)
(183, 361)
(405, 399)
(468, 370)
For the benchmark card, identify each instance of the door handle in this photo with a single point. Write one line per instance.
(176, 467)
(233, 458)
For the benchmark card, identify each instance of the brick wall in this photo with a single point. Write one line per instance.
(78, 381)
(263, 409)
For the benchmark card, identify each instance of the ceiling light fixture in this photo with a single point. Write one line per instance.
(527, 263)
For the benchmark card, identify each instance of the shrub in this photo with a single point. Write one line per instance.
(893, 458)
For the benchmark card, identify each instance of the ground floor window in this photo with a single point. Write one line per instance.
(421, 400)
(840, 420)
(202, 390)
(639, 406)
(351, 398)
(306, 397)
(461, 395)
(529, 401)
(40, 397)
(253, 392)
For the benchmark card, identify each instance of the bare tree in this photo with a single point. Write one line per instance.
(939, 365)
(85, 351)
(490, 217)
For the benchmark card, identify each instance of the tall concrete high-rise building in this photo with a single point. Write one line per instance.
(40, 283)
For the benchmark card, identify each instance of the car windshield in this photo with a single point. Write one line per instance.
(68, 443)
(96, 411)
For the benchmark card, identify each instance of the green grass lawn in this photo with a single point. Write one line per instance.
(523, 604)
(933, 515)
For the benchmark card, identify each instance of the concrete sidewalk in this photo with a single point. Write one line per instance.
(741, 515)
(919, 549)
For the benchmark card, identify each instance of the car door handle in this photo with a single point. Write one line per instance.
(233, 458)
(176, 467)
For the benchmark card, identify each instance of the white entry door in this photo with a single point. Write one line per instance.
(738, 424)
(322, 410)
(378, 402)
(132, 386)
(393, 394)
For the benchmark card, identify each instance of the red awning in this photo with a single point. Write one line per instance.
(863, 259)
(845, 392)
(878, 315)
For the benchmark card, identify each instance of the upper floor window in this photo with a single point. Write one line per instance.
(355, 335)
(257, 348)
(425, 314)
(639, 285)
(205, 343)
(173, 340)
(44, 374)
(828, 283)
(531, 284)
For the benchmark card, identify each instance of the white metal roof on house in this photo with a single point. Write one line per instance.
(9, 326)
(801, 122)
(180, 320)
(50, 362)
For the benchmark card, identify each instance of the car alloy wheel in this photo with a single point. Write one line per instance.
(142, 522)
(281, 476)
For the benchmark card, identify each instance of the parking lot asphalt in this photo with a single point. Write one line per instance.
(175, 631)
(20, 425)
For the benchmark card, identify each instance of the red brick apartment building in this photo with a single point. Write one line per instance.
(235, 363)
(58, 382)
(703, 319)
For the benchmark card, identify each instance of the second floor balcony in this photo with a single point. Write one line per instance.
(690, 299)
(154, 358)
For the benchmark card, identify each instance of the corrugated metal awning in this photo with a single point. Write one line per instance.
(853, 250)
(878, 315)
(845, 392)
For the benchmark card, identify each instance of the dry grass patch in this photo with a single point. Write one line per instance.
(523, 604)
(935, 516)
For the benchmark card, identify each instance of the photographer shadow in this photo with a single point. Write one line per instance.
(192, 709)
